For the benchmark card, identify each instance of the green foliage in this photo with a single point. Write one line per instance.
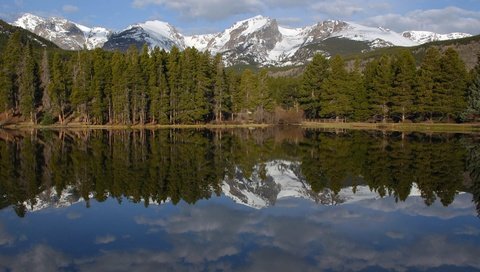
(404, 80)
(379, 82)
(473, 93)
(11, 57)
(428, 78)
(360, 103)
(337, 98)
(47, 119)
(313, 77)
(450, 96)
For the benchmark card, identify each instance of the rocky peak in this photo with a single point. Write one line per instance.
(152, 33)
(66, 34)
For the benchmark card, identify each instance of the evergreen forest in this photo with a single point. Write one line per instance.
(139, 87)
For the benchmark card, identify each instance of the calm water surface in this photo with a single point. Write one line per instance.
(279, 199)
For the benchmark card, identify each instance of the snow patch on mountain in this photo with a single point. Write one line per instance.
(422, 37)
(160, 30)
(200, 42)
(292, 40)
(358, 32)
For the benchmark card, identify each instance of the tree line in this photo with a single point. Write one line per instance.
(188, 87)
(155, 87)
(393, 88)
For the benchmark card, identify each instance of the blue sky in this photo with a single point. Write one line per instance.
(196, 17)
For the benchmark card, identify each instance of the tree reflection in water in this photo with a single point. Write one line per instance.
(173, 165)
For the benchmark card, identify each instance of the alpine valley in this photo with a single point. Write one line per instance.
(257, 41)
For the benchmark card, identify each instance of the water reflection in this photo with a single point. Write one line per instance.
(347, 201)
(253, 167)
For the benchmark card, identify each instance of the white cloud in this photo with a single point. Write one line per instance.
(103, 240)
(205, 237)
(39, 258)
(70, 8)
(5, 237)
(341, 8)
(449, 19)
(206, 9)
(74, 215)
(371, 12)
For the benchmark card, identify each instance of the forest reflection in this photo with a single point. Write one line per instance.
(154, 166)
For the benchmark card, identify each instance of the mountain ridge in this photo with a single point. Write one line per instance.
(258, 40)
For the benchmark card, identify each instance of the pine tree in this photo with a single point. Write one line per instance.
(262, 100)
(244, 96)
(11, 57)
(378, 81)
(121, 105)
(152, 71)
(81, 80)
(98, 87)
(45, 83)
(27, 87)
(58, 89)
(450, 96)
(313, 77)
(163, 88)
(233, 86)
(143, 92)
(404, 78)
(336, 98)
(428, 80)
(135, 84)
(187, 86)
(359, 92)
(202, 92)
(473, 93)
(173, 77)
(220, 93)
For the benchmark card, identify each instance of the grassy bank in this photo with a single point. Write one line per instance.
(146, 126)
(403, 127)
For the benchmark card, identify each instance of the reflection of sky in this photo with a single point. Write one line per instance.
(220, 235)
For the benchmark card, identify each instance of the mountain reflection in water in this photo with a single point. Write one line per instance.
(336, 200)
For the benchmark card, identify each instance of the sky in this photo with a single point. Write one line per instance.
(208, 16)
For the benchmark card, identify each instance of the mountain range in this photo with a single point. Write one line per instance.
(259, 40)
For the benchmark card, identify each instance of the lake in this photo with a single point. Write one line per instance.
(273, 199)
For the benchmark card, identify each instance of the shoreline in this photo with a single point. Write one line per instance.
(400, 127)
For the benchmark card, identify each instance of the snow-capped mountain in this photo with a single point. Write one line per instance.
(248, 40)
(422, 37)
(258, 40)
(153, 33)
(283, 179)
(261, 40)
(67, 35)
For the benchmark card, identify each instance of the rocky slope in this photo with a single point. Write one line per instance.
(67, 35)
